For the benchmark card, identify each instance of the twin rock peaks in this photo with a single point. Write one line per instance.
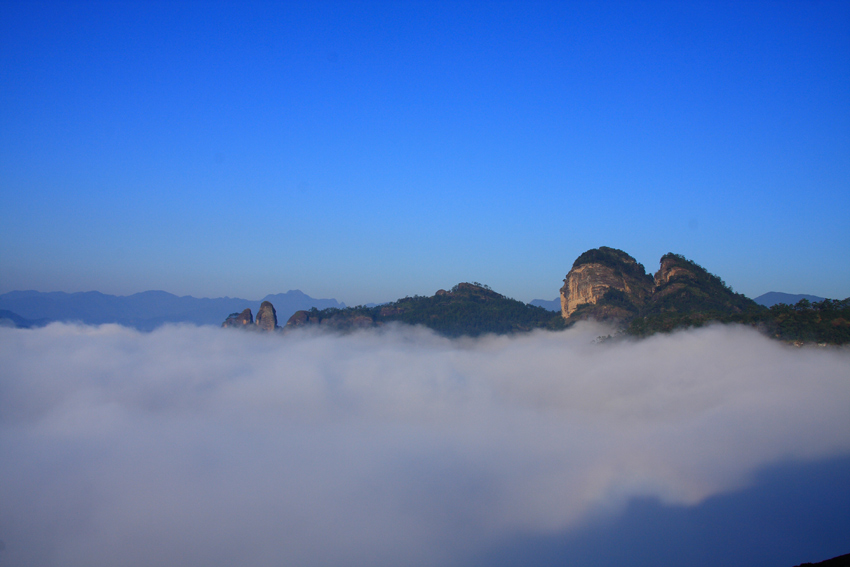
(266, 318)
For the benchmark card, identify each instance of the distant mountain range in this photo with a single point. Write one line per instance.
(10, 319)
(548, 304)
(772, 298)
(144, 311)
(604, 284)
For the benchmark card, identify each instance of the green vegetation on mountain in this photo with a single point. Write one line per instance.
(688, 295)
(467, 309)
(604, 284)
(683, 285)
(684, 294)
(824, 322)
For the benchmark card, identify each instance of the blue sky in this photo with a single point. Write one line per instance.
(366, 151)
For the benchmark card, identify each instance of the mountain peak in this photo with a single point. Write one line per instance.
(606, 283)
(605, 271)
(266, 317)
(466, 289)
(772, 298)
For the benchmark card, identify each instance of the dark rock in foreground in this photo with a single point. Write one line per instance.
(840, 561)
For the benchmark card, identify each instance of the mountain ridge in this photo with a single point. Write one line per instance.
(772, 298)
(145, 310)
(548, 304)
(470, 309)
(604, 284)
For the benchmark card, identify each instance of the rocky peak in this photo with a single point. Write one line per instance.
(682, 285)
(266, 317)
(673, 266)
(239, 319)
(605, 283)
(600, 270)
(475, 289)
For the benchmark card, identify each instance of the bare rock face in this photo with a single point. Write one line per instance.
(608, 284)
(239, 320)
(600, 270)
(266, 317)
(586, 284)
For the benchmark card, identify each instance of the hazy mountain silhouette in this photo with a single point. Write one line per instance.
(10, 319)
(146, 310)
(772, 298)
(548, 304)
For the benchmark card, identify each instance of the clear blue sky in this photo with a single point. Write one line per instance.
(367, 151)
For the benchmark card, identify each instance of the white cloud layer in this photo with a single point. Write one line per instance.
(200, 446)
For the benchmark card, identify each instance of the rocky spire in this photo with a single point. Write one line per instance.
(266, 317)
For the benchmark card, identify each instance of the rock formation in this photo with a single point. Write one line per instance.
(600, 270)
(608, 284)
(240, 320)
(266, 317)
(672, 266)
(682, 285)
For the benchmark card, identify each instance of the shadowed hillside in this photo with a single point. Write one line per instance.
(467, 309)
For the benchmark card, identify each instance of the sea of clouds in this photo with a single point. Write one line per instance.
(198, 446)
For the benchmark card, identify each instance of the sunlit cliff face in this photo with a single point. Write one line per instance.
(197, 446)
(598, 270)
(588, 283)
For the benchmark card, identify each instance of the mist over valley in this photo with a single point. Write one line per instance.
(396, 445)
